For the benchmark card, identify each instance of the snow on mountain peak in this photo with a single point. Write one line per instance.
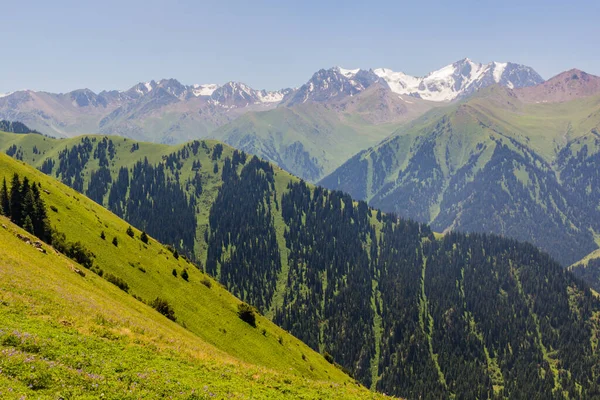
(455, 80)
(499, 69)
(348, 73)
(204, 90)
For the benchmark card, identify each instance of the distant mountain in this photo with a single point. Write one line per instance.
(509, 161)
(164, 111)
(569, 85)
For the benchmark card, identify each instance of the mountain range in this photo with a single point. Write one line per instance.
(404, 310)
(309, 131)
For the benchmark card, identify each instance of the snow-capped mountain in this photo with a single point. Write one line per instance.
(446, 84)
(459, 79)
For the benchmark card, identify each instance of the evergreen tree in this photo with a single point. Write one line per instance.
(15, 200)
(4, 199)
(144, 237)
(130, 232)
(115, 242)
(28, 225)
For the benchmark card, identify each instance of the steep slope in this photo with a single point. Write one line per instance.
(72, 336)
(493, 163)
(200, 305)
(405, 312)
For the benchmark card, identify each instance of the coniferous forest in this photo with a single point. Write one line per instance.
(402, 309)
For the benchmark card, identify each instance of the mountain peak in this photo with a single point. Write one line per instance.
(566, 86)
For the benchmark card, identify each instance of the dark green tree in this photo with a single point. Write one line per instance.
(16, 215)
(4, 199)
(130, 232)
(144, 237)
(28, 225)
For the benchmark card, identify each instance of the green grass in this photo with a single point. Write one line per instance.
(39, 291)
(67, 336)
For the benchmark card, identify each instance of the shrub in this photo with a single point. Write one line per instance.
(118, 282)
(328, 357)
(185, 275)
(79, 253)
(163, 307)
(247, 314)
(102, 236)
(130, 231)
(115, 241)
(174, 272)
(206, 282)
(144, 237)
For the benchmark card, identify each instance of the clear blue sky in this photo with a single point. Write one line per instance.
(105, 44)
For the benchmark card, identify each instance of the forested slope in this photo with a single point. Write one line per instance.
(404, 311)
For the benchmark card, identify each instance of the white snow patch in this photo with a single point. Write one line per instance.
(5, 94)
(498, 71)
(348, 73)
(204, 90)
(148, 86)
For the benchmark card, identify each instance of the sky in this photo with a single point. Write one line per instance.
(59, 46)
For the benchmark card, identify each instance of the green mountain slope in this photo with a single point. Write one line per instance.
(405, 312)
(42, 297)
(494, 163)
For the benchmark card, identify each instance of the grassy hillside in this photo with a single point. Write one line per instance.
(491, 164)
(214, 331)
(64, 335)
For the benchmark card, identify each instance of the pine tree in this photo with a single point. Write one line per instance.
(15, 200)
(144, 237)
(28, 225)
(4, 199)
(185, 275)
(130, 232)
(115, 241)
